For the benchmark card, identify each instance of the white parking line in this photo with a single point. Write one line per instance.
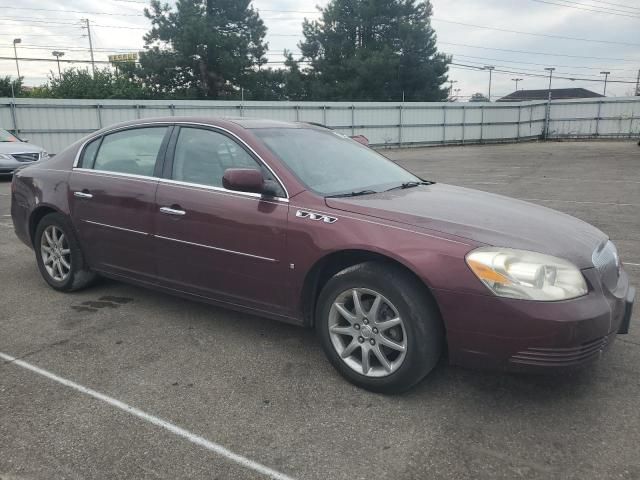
(631, 264)
(192, 437)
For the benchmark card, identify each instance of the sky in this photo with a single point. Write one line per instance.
(579, 38)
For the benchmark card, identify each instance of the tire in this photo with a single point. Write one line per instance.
(402, 296)
(73, 272)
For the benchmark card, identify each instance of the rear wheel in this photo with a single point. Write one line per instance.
(379, 327)
(58, 254)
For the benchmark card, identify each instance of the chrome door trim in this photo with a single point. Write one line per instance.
(199, 186)
(172, 211)
(115, 228)
(182, 123)
(109, 173)
(82, 195)
(224, 250)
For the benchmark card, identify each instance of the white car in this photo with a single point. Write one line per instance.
(15, 153)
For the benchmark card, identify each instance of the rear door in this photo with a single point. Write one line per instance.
(112, 199)
(215, 242)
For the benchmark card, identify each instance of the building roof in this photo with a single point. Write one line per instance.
(556, 94)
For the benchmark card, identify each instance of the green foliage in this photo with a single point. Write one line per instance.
(478, 97)
(374, 50)
(80, 83)
(202, 48)
(5, 86)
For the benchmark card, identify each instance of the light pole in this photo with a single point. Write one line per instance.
(15, 53)
(58, 54)
(517, 80)
(606, 75)
(490, 68)
(451, 82)
(550, 70)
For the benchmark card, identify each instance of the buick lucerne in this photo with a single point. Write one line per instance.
(299, 223)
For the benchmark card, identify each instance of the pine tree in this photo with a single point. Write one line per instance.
(374, 50)
(202, 48)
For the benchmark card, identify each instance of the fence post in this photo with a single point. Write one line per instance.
(353, 119)
(324, 115)
(547, 118)
(444, 123)
(598, 119)
(137, 107)
(464, 122)
(400, 126)
(297, 110)
(172, 110)
(14, 116)
(519, 114)
(98, 107)
(481, 122)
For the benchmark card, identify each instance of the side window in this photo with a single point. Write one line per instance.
(130, 151)
(202, 156)
(89, 154)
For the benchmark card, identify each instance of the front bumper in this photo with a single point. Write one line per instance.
(492, 332)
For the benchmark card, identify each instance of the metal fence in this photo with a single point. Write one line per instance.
(56, 123)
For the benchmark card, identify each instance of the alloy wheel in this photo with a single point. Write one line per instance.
(367, 332)
(55, 252)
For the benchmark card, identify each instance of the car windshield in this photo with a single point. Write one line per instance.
(331, 164)
(7, 137)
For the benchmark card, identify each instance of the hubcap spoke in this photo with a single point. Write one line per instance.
(48, 238)
(366, 364)
(350, 348)
(64, 263)
(342, 330)
(346, 314)
(392, 344)
(357, 306)
(375, 307)
(65, 251)
(381, 358)
(387, 324)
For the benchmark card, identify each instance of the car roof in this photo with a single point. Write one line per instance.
(248, 123)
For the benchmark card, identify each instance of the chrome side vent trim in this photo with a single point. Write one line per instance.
(315, 216)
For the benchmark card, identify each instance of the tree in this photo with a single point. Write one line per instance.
(6, 85)
(202, 48)
(80, 83)
(374, 50)
(478, 97)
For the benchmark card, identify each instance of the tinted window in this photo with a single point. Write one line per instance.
(202, 156)
(330, 163)
(89, 154)
(131, 151)
(7, 137)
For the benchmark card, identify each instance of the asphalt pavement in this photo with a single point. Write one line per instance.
(227, 384)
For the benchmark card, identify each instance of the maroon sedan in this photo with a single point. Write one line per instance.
(302, 224)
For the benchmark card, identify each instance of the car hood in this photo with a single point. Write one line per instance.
(19, 147)
(482, 217)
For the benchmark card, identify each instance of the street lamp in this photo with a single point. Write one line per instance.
(58, 54)
(517, 80)
(606, 75)
(15, 53)
(550, 70)
(490, 68)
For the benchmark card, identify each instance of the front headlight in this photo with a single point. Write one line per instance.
(526, 275)
(44, 155)
(4, 156)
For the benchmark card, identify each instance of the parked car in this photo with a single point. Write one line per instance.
(15, 153)
(301, 224)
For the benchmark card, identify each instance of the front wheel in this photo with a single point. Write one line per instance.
(379, 327)
(58, 254)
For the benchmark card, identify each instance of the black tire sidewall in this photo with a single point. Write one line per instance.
(77, 259)
(421, 318)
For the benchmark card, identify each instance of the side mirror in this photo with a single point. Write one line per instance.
(244, 180)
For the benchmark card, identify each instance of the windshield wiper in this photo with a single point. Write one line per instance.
(352, 194)
(410, 185)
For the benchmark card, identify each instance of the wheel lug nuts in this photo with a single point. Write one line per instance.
(361, 339)
(375, 330)
(356, 326)
(365, 321)
(372, 341)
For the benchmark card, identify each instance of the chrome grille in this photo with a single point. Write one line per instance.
(606, 260)
(26, 157)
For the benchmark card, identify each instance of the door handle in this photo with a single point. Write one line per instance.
(82, 195)
(172, 211)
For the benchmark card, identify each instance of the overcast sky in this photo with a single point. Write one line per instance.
(614, 23)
